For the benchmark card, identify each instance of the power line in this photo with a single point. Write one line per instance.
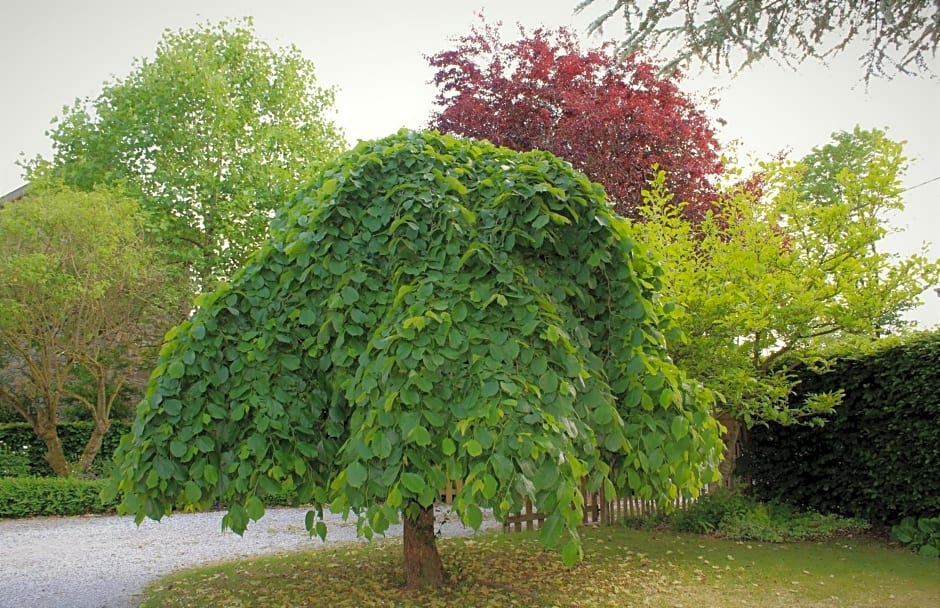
(921, 184)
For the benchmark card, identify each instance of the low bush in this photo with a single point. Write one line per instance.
(38, 496)
(18, 441)
(705, 515)
(923, 535)
(13, 462)
(732, 515)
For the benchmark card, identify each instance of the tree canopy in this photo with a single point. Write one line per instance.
(901, 36)
(428, 308)
(609, 116)
(210, 135)
(83, 303)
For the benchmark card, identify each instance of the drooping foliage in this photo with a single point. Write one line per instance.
(901, 36)
(211, 134)
(611, 117)
(877, 455)
(428, 308)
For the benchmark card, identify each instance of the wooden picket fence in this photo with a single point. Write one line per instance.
(597, 509)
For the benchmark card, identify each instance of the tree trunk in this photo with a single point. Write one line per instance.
(93, 445)
(730, 439)
(55, 455)
(423, 567)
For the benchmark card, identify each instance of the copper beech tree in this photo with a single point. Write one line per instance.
(612, 117)
(428, 308)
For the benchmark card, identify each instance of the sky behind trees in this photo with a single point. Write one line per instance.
(373, 51)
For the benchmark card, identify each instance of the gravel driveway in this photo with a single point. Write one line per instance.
(105, 561)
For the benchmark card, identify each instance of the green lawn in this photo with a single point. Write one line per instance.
(622, 567)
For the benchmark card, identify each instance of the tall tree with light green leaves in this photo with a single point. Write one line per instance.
(211, 135)
(788, 265)
(901, 36)
(84, 301)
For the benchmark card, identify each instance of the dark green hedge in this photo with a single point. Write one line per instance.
(877, 457)
(36, 496)
(19, 441)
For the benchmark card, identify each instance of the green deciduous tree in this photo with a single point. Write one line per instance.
(784, 269)
(83, 303)
(429, 308)
(901, 36)
(211, 134)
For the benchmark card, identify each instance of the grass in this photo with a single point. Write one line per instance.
(622, 567)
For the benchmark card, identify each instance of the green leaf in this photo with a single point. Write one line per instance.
(604, 415)
(205, 444)
(420, 436)
(350, 295)
(473, 447)
(571, 553)
(395, 499)
(634, 480)
(178, 448)
(414, 483)
(309, 520)
(546, 476)
(448, 447)
(459, 312)
(680, 427)
(473, 516)
(490, 486)
(254, 508)
(490, 388)
(290, 362)
(192, 492)
(548, 381)
(176, 369)
(328, 187)
(356, 474)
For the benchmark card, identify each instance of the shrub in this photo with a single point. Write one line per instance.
(22, 442)
(705, 515)
(923, 535)
(732, 515)
(876, 456)
(14, 461)
(37, 496)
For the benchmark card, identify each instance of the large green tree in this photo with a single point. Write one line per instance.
(427, 309)
(83, 304)
(784, 269)
(211, 134)
(901, 36)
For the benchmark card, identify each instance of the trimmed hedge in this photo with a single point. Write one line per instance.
(19, 441)
(877, 457)
(37, 496)
(61, 496)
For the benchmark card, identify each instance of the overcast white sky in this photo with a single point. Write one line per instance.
(373, 51)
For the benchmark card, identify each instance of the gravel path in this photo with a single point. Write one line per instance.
(106, 561)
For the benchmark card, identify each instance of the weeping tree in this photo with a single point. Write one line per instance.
(428, 308)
